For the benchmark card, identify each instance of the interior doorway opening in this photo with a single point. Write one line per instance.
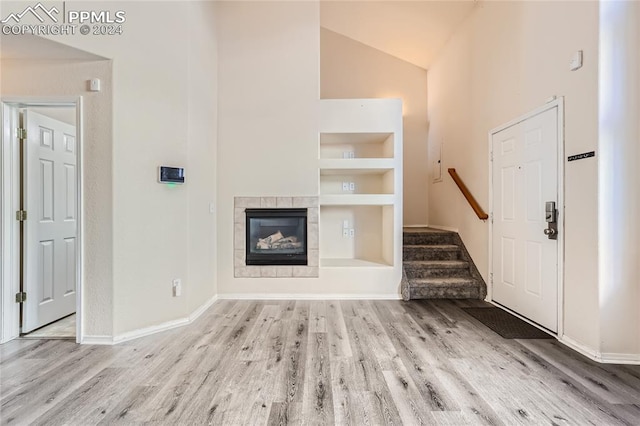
(41, 219)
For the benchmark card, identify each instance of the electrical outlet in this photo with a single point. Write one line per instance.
(177, 287)
(345, 233)
(352, 154)
(345, 186)
(345, 224)
(345, 154)
(352, 233)
(352, 186)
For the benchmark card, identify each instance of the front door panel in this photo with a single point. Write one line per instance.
(525, 177)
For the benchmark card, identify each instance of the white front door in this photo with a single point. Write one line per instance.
(525, 177)
(50, 230)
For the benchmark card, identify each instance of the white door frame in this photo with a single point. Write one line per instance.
(10, 228)
(559, 104)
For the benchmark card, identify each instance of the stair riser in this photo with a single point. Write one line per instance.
(421, 253)
(445, 293)
(435, 272)
(427, 238)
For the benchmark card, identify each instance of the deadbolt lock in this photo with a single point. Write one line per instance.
(551, 217)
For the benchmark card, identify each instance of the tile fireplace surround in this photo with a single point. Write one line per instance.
(242, 270)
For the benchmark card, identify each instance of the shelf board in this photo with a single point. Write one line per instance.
(353, 263)
(357, 199)
(355, 165)
(353, 138)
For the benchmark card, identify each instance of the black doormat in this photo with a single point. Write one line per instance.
(505, 324)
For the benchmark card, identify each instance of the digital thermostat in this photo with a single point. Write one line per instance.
(170, 174)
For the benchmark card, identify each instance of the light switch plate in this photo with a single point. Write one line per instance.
(576, 61)
(177, 287)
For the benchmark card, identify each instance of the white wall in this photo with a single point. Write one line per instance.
(506, 60)
(268, 80)
(619, 179)
(68, 78)
(164, 99)
(349, 69)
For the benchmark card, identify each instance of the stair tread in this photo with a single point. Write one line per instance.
(413, 231)
(443, 281)
(438, 263)
(431, 246)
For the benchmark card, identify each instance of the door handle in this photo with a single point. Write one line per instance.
(551, 217)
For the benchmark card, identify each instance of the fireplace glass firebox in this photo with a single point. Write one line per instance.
(276, 236)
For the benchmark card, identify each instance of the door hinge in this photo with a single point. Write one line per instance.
(21, 215)
(21, 133)
(491, 155)
(21, 297)
(491, 277)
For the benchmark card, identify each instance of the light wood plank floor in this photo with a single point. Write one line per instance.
(333, 362)
(64, 328)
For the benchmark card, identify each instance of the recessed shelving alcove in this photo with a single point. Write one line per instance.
(368, 247)
(360, 180)
(360, 145)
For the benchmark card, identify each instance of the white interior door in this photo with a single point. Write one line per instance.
(525, 177)
(49, 241)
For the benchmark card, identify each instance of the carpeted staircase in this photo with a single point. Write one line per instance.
(436, 265)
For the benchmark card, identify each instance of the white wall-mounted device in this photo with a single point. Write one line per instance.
(94, 85)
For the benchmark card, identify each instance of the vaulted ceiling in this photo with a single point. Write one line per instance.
(414, 31)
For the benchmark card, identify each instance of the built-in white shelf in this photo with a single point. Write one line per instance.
(362, 165)
(357, 199)
(360, 177)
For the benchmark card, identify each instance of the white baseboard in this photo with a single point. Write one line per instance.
(97, 340)
(581, 348)
(601, 357)
(202, 309)
(307, 296)
(617, 358)
(444, 228)
(147, 331)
